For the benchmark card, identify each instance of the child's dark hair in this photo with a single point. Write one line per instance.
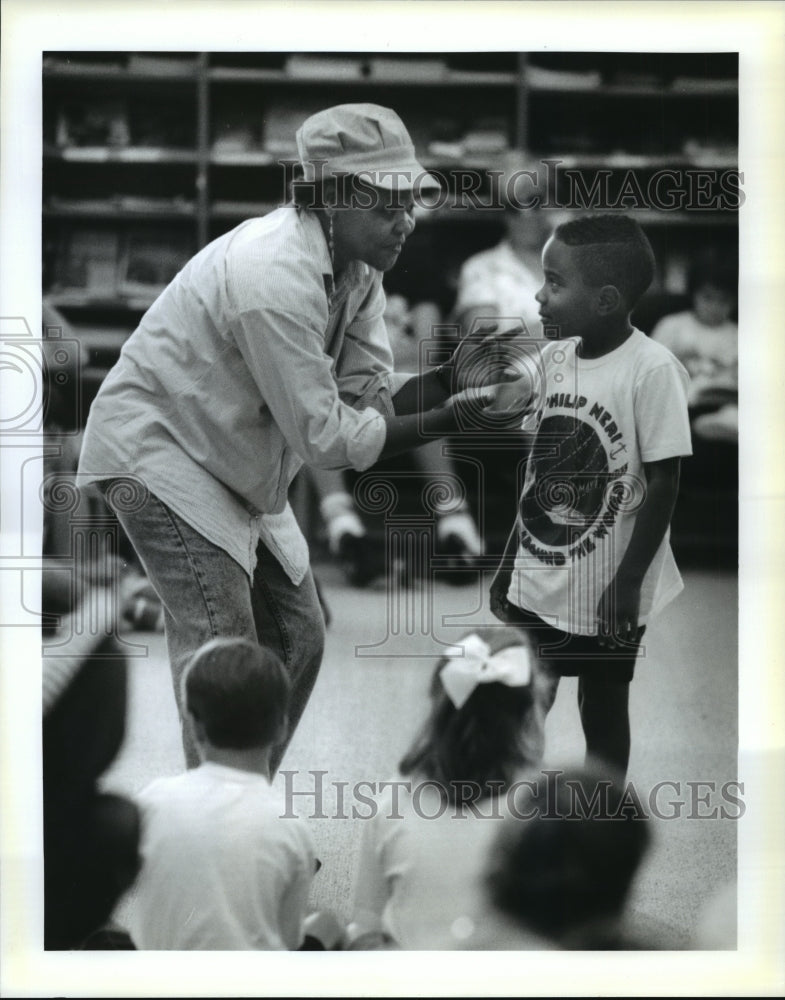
(611, 250)
(567, 867)
(718, 271)
(478, 750)
(239, 692)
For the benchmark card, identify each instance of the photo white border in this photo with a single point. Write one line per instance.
(757, 31)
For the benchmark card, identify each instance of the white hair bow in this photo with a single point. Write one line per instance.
(470, 664)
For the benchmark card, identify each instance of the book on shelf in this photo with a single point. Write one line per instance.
(65, 64)
(160, 65)
(150, 261)
(558, 79)
(445, 150)
(408, 69)
(318, 67)
(242, 209)
(236, 130)
(234, 140)
(88, 262)
(281, 121)
(488, 140)
(93, 122)
(121, 203)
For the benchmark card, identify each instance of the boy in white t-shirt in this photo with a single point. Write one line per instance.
(221, 869)
(588, 561)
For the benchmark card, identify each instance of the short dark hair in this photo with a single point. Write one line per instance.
(710, 267)
(239, 692)
(612, 250)
(565, 868)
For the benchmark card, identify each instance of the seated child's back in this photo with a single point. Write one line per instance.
(221, 869)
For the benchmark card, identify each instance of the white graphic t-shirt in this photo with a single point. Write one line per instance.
(596, 422)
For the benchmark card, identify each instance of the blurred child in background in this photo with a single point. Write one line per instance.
(561, 876)
(705, 338)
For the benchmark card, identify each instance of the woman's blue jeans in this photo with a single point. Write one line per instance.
(205, 593)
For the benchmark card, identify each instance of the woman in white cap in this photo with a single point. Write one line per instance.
(267, 351)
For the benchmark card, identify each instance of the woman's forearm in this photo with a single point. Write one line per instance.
(422, 392)
(414, 429)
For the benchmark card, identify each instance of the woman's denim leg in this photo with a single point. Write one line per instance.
(206, 593)
(289, 620)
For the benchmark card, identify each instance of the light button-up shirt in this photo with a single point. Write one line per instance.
(248, 364)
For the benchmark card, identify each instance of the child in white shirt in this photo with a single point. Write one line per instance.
(222, 870)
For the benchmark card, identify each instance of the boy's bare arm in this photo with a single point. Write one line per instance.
(617, 611)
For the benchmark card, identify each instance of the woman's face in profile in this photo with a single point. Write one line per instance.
(374, 226)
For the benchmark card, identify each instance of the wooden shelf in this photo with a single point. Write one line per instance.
(245, 158)
(124, 154)
(631, 161)
(197, 188)
(724, 88)
(80, 298)
(121, 74)
(452, 78)
(241, 209)
(453, 214)
(109, 210)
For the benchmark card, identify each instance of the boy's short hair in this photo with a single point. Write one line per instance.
(239, 692)
(612, 250)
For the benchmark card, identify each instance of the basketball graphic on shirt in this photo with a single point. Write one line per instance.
(571, 473)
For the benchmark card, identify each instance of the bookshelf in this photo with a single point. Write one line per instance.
(148, 156)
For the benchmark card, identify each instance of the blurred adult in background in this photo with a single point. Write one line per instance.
(501, 283)
(503, 280)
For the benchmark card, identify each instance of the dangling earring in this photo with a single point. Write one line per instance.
(331, 241)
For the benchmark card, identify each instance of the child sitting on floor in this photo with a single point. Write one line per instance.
(423, 850)
(221, 869)
(561, 876)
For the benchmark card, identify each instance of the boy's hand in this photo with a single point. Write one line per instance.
(617, 613)
(484, 357)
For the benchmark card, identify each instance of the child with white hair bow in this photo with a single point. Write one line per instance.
(425, 847)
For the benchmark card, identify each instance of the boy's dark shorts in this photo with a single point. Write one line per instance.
(569, 655)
